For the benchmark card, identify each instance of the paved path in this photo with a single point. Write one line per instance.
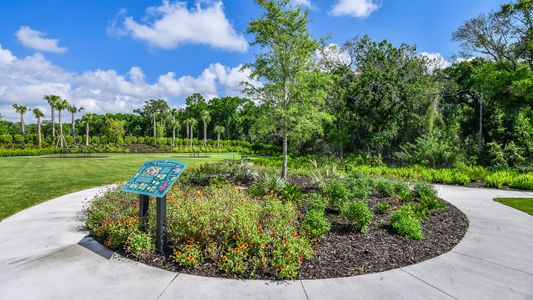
(44, 255)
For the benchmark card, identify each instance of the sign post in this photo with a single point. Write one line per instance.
(154, 178)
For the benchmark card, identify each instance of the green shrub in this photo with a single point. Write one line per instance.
(315, 202)
(358, 187)
(358, 212)
(139, 244)
(291, 193)
(336, 193)
(269, 184)
(382, 207)
(406, 224)
(315, 223)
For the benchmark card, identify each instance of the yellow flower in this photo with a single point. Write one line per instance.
(223, 258)
(237, 249)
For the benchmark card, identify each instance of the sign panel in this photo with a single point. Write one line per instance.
(155, 177)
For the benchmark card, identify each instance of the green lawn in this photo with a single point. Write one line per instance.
(523, 204)
(26, 181)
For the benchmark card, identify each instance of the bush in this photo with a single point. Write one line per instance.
(269, 184)
(291, 193)
(427, 196)
(316, 202)
(139, 244)
(359, 187)
(358, 212)
(336, 193)
(382, 207)
(404, 221)
(315, 223)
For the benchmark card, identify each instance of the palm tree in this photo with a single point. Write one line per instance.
(21, 109)
(88, 119)
(39, 116)
(206, 118)
(175, 123)
(61, 105)
(192, 123)
(73, 110)
(53, 100)
(219, 130)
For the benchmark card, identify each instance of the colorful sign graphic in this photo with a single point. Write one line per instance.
(155, 177)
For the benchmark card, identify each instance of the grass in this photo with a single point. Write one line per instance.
(523, 204)
(27, 181)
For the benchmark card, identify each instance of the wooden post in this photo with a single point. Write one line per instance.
(161, 223)
(144, 202)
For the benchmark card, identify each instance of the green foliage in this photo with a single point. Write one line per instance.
(336, 193)
(315, 201)
(269, 184)
(406, 224)
(358, 187)
(139, 244)
(291, 193)
(315, 223)
(382, 207)
(357, 211)
(426, 195)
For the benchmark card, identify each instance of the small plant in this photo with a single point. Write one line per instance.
(427, 196)
(336, 193)
(406, 224)
(315, 223)
(386, 188)
(359, 187)
(382, 207)
(291, 193)
(358, 212)
(139, 244)
(189, 254)
(270, 184)
(316, 202)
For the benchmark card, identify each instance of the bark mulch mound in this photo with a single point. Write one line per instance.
(346, 252)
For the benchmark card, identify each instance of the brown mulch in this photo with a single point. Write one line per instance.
(346, 252)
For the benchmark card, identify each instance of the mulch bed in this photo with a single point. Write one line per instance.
(346, 252)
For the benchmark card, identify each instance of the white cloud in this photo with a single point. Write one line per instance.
(5, 56)
(27, 80)
(354, 8)
(435, 61)
(172, 24)
(36, 40)
(304, 3)
(333, 55)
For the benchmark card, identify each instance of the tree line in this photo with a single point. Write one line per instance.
(365, 99)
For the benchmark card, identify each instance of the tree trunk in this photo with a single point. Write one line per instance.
(22, 124)
(187, 130)
(87, 134)
(60, 130)
(192, 136)
(53, 123)
(73, 128)
(205, 133)
(218, 140)
(284, 167)
(173, 136)
(39, 139)
(155, 133)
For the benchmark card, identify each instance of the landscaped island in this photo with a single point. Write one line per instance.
(240, 220)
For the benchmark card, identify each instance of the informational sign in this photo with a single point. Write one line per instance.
(155, 177)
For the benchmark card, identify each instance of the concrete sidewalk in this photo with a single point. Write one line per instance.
(44, 255)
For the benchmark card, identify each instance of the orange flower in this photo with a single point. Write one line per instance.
(237, 249)
(285, 241)
(178, 253)
(190, 257)
(190, 240)
(282, 267)
(301, 260)
(223, 258)
(295, 234)
(188, 247)
(244, 245)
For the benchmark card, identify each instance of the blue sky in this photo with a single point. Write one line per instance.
(113, 55)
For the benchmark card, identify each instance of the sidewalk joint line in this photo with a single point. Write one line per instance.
(174, 278)
(305, 292)
(429, 284)
(491, 262)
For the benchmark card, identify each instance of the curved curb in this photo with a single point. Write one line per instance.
(44, 254)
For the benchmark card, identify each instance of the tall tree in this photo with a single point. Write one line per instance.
(206, 118)
(174, 124)
(61, 106)
(219, 130)
(88, 119)
(154, 109)
(294, 88)
(73, 110)
(192, 124)
(21, 109)
(38, 114)
(53, 100)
